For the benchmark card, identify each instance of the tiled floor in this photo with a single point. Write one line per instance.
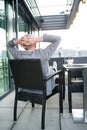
(30, 119)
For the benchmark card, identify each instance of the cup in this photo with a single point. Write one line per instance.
(70, 61)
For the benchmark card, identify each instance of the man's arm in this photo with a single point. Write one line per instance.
(23, 41)
(49, 50)
(30, 40)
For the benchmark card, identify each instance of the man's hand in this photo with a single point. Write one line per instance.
(23, 40)
(28, 40)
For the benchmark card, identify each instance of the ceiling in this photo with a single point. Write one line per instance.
(55, 7)
(57, 14)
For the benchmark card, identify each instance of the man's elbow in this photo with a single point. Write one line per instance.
(59, 39)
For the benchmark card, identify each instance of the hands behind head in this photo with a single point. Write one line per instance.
(26, 40)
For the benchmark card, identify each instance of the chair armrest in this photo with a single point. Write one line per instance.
(49, 77)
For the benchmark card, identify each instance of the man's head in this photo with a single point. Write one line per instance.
(28, 42)
(29, 47)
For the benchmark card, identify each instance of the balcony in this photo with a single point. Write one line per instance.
(30, 119)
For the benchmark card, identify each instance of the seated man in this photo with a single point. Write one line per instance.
(28, 42)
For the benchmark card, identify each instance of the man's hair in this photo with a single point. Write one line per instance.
(27, 47)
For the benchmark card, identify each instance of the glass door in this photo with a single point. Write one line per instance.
(4, 82)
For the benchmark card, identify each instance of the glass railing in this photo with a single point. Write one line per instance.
(4, 79)
(4, 75)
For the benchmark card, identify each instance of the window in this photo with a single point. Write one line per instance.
(4, 82)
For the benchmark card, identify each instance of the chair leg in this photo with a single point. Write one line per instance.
(15, 109)
(43, 116)
(33, 105)
(70, 102)
(60, 96)
(60, 102)
(63, 85)
(63, 91)
(69, 98)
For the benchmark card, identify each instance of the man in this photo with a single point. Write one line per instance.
(28, 42)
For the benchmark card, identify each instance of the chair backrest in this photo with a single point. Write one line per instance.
(75, 73)
(80, 60)
(60, 62)
(27, 73)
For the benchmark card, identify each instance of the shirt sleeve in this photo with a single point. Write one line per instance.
(12, 47)
(49, 50)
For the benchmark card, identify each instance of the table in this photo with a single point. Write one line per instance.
(79, 115)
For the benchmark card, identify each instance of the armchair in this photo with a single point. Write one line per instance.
(60, 62)
(30, 85)
(75, 84)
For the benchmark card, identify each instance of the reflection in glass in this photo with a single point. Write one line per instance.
(4, 82)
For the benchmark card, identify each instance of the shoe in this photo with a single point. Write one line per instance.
(57, 80)
(55, 65)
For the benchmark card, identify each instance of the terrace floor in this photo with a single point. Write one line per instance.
(30, 119)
